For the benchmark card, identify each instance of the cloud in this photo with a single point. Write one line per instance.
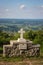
(23, 12)
(42, 6)
(22, 6)
(6, 10)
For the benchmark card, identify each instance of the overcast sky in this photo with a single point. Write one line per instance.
(25, 9)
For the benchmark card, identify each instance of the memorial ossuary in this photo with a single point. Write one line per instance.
(21, 47)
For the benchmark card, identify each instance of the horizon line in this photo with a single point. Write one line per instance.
(21, 18)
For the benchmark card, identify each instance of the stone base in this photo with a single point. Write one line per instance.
(13, 51)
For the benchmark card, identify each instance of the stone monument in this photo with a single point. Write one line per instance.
(21, 47)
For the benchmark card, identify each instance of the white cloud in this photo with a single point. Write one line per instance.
(0, 13)
(6, 10)
(42, 6)
(23, 12)
(22, 6)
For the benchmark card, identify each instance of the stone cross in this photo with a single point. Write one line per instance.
(21, 33)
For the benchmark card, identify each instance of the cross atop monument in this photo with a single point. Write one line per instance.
(21, 33)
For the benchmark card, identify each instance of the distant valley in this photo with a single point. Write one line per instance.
(15, 24)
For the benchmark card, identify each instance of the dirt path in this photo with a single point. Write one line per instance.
(15, 63)
(24, 62)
